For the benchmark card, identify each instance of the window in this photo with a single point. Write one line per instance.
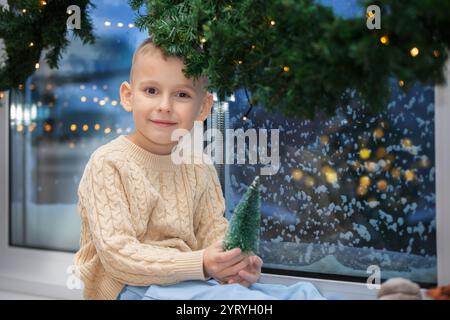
(352, 191)
(58, 120)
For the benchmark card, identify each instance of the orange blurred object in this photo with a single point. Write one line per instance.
(439, 293)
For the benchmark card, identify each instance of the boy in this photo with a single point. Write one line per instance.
(144, 219)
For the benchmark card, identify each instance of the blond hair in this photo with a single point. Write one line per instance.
(148, 46)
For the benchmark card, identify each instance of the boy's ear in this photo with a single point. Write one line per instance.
(206, 107)
(125, 96)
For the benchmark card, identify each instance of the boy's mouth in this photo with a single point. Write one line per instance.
(163, 123)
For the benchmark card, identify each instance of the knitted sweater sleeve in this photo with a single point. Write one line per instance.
(104, 204)
(211, 223)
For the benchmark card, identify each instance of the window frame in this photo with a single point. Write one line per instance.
(45, 273)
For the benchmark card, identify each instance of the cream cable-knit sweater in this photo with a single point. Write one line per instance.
(144, 219)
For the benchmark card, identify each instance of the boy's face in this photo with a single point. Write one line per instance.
(162, 99)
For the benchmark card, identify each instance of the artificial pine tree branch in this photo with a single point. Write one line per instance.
(29, 27)
(296, 56)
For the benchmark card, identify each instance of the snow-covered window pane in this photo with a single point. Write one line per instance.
(353, 190)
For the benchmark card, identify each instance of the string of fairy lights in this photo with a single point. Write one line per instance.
(23, 119)
(413, 52)
(384, 40)
(284, 68)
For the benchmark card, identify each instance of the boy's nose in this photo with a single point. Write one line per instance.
(164, 108)
(165, 105)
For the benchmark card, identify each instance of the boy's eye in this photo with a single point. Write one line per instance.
(150, 90)
(184, 95)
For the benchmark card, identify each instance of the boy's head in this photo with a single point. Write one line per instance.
(161, 98)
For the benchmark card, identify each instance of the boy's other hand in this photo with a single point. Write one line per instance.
(250, 274)
(222, 265)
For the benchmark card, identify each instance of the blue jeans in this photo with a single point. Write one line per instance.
(212, 290)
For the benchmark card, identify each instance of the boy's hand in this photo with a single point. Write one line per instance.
(399, 289)
(222, 265)
(250, 274)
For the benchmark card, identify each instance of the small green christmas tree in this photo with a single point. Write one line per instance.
(243, 229)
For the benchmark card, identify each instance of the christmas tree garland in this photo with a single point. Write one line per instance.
(29, 27)
(297, 56)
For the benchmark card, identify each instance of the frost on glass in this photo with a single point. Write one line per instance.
(353, 190)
